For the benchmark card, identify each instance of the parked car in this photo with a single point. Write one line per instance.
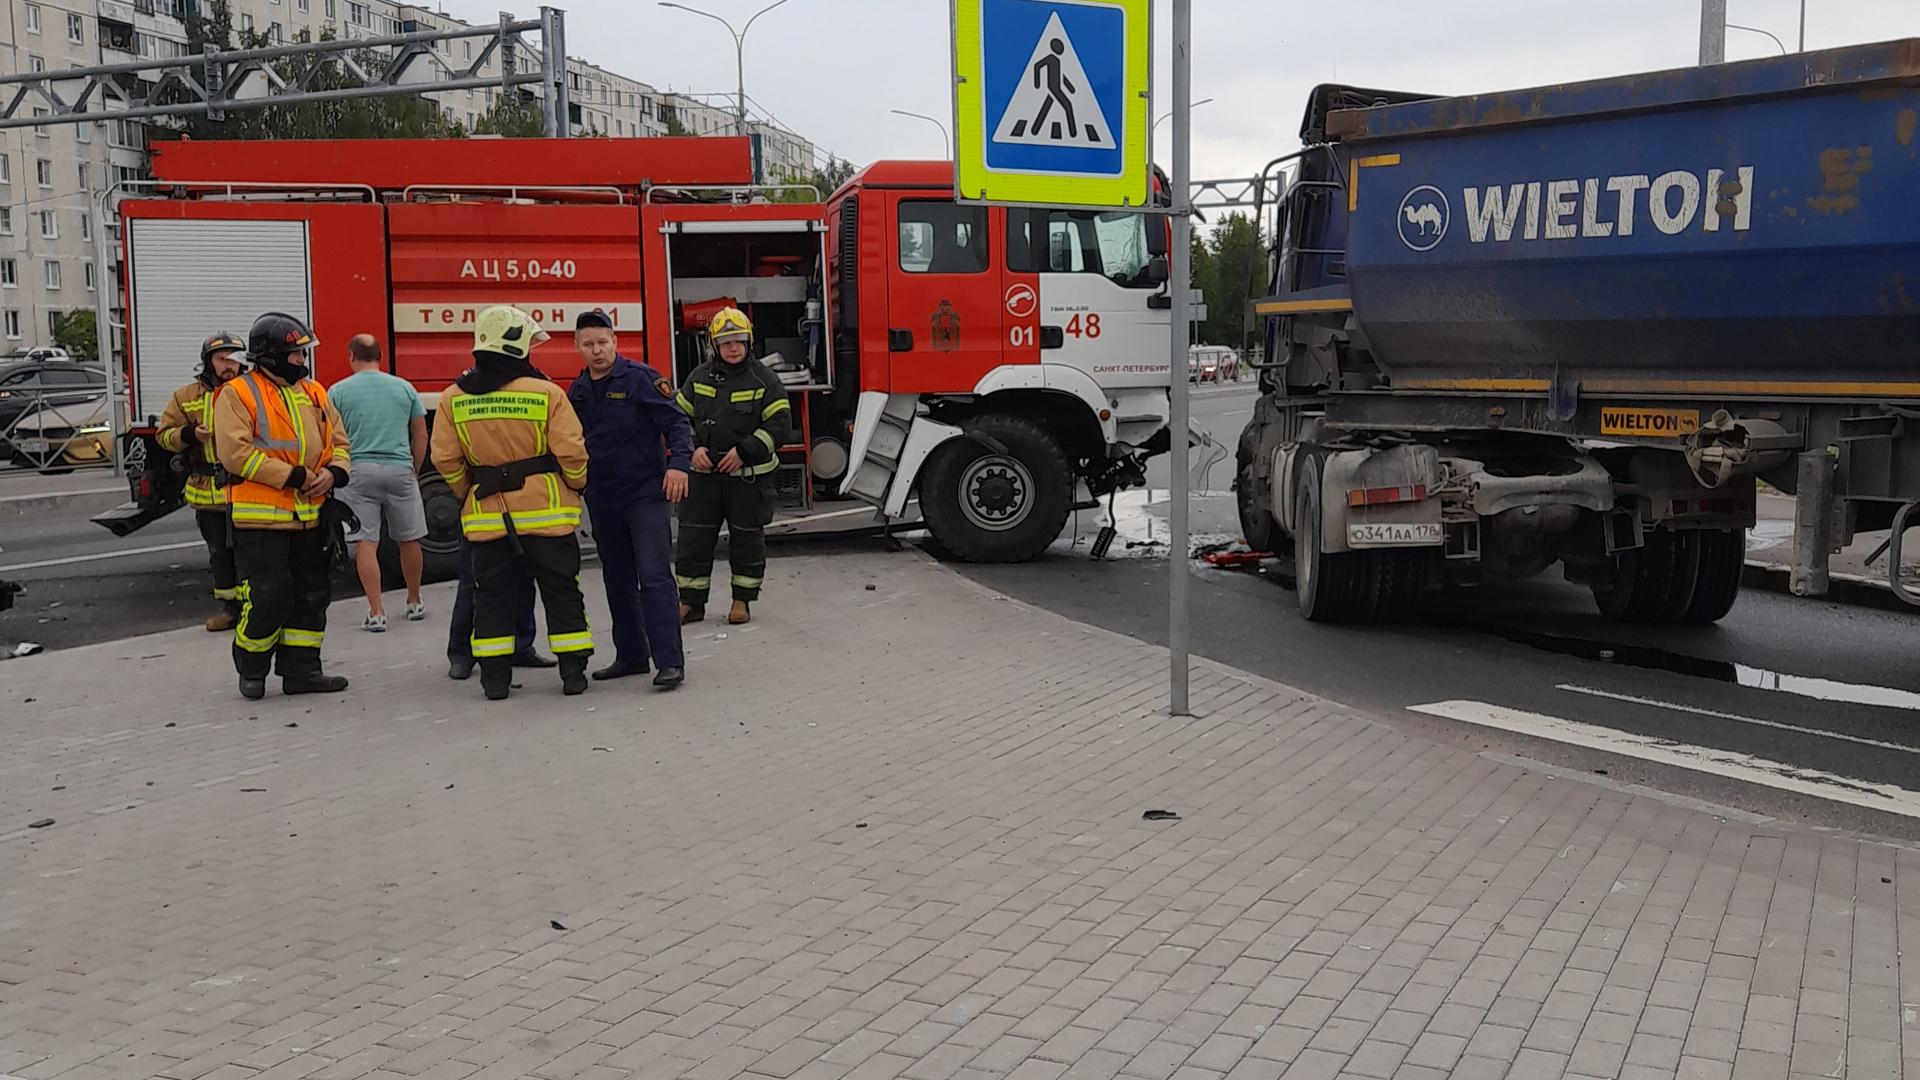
(1212, 363)
(59, 437)
(39, 380)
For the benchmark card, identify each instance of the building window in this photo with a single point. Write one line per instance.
(13, 324)
(54, 319)
(246, 22)
(36, 64)
(6, 221)
(76, 30)
(6, 172)
(49, 225)
(273, 30)
(86, 175)
(330, 11)
(33, 27)
(53, 274)
(83, 133)
(469, 47)
(301, 6)
(41, 129)
(9, 274)
(86, 225)
(43, 172)
(88, 267)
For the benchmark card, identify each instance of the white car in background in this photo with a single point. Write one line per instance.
(1212, 363)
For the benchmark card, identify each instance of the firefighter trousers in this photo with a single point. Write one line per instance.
(284, 589)
(217, 531)
(501, 577)
(745, 507)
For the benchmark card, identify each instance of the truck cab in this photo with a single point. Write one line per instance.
(1004, 364)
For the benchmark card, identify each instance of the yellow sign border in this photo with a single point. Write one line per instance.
(975, 182)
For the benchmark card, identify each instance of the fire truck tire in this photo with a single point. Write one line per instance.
(1330, 586)
(1721, 560)
(1643, 580)
(985, 506)
(1253, 496)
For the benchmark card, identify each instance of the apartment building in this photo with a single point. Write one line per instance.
(49, 176)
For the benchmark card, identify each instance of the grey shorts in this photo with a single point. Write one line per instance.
(379, 490)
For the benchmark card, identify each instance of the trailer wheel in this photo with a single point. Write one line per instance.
(1398, 577)
(1720, 559)
(1253, 497)
(1643, 580)
(986, 506)
(1330, 586)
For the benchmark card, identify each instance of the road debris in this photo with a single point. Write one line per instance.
(1159, 815)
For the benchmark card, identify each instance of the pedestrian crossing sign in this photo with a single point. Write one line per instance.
(1050, 101)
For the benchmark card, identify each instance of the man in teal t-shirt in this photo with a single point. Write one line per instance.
(387, 428)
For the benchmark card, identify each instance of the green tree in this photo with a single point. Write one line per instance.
(675, 128)
(826, 179)
(514, 116)
(77, 335)
(1235, 269)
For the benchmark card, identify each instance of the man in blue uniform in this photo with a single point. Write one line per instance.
(639, 443)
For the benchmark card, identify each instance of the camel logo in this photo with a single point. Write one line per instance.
(1423, 218)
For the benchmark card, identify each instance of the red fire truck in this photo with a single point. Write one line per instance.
(1000, 366)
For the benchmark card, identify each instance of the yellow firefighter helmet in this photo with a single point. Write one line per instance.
(507, 331)
(730, 324)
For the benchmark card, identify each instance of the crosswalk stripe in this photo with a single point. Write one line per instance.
(1736, 717)
(1887, 798)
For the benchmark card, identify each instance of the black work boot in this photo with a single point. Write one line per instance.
(312, 684)
(620, 669)
(252, 689)
(670, 677)
(496, 678)
(573, 674)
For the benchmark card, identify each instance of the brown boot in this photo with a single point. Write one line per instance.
(221, 622)
(690, 614)
(739, 616)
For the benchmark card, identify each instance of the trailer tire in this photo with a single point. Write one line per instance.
(1331, 587)
(1253, 497)
(1399, 578)
(985, 506)
(1720, 560)
(1643, 580)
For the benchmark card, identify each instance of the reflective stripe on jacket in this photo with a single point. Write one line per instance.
(524, 419)
(264, 429)
(190, 405)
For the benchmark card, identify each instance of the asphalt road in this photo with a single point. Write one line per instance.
(1822, 697)
(1819, 696)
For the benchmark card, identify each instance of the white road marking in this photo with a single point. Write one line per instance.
(1817, 783)
(98, 556)
(1676, 707)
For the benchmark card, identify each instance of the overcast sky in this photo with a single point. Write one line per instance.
(830, 69)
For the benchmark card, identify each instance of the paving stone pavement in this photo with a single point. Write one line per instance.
(882, 833)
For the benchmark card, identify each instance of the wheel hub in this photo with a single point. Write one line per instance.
(996, 493)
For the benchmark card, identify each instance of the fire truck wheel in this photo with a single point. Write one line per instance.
(986, 506)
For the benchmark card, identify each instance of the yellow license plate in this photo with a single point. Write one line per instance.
(1649, 423)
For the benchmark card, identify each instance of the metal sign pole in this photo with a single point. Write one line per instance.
(1179, 273)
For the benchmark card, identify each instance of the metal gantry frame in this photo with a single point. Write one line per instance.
(219, 80)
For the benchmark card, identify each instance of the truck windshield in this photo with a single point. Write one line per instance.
(1112, 244)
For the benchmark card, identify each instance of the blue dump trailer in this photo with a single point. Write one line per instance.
(1577, 324)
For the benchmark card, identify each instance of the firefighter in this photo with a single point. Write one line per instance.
(285, 451)
(186, 427)
(639, 442)
(741, 417)
(510, 446)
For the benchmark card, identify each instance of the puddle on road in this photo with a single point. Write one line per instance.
(1700, 667)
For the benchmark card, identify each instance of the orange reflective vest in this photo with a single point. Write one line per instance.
(191, 406)
(262, 430)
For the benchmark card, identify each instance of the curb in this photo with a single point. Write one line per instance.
(1847, 589)
(83, 500)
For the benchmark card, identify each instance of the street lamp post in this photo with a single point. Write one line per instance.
(1154, 131)
(931, 120)
(739, 55)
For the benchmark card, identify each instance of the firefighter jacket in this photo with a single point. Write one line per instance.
(635, 433)
(271, 437)
(192, 405)
(740, 407)
(526, 431)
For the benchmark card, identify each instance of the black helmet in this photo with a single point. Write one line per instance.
(224, 341)
(277, 335)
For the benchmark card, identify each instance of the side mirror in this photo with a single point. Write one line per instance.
(1157, 270)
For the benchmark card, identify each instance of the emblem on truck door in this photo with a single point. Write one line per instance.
(946, 327)
(1423, 218)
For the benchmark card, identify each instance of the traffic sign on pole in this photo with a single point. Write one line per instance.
(1050, 101)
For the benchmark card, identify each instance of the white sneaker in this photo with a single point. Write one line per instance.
(375, 624)
(416, 611)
